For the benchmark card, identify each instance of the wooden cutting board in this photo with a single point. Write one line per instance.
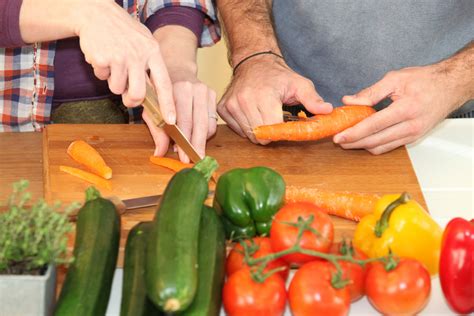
(127, 148)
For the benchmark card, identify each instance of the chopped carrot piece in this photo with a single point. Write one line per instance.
(317, 127)
(170, 163)
(86, 155)
(87, 176)
(352, 206)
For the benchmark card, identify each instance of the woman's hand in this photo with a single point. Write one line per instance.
(195, 101)
(119, 48)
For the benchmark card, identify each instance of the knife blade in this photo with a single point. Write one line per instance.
(147, 201)
(173, 131)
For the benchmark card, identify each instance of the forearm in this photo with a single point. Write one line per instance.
(459, 69)
(178, 47)
(248, 27)
(47, 20)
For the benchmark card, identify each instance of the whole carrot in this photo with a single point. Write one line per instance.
(317, 127)
(352, 206)
(86, 155)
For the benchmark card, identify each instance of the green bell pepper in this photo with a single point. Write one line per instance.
(248, 199)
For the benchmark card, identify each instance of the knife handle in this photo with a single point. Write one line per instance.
(152, 106)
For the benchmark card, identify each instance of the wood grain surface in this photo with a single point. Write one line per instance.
(126, 148)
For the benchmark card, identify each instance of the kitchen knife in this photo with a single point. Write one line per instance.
(152, 106)
(288, 117)
(140, 202)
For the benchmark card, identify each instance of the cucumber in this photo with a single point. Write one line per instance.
(172, 248)
(211, 260)
(134, 299)
(86, 289)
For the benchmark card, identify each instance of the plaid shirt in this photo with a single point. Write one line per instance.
(27, 73)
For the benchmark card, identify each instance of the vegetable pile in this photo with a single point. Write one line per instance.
(177, 263)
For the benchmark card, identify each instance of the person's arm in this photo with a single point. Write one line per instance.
(263, 83)
(422, 97)
(119, 48)
(178, 31)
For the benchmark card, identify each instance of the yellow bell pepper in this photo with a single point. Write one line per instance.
(400, 225)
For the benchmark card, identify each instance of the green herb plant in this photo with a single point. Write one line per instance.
(32, 235)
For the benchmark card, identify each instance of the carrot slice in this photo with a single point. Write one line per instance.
(87, 176)
(302, 114)
(170, 163)
(86, 155)
(352, 206)
(317, 127)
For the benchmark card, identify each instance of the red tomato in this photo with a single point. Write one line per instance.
(353, 271)
(311, 292)
(404, 290)
(283, 236)
(242, 296)
(235, 260)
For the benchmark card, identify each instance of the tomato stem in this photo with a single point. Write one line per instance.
(303, 225)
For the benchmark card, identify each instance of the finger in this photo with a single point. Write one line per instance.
(271, 112)
(163, 87)
(250, 109)
(227, 117)
(381, 120)
(388, 135)
(233, 107)
(118, 78)
(184, 110)
(200, 118)
(373, 94)
(103, 73)
(311, 100)
(160, 138)
(212, 124)
(391, 146)
(135, 93)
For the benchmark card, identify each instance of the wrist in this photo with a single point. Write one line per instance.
(259, 61)
(182, 72)
(459, 81)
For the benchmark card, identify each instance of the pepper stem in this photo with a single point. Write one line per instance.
(382, 223)
(207, 166)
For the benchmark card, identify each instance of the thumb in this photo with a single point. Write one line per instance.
(311, 100)
(371, 95)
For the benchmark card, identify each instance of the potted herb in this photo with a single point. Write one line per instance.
(33, 240)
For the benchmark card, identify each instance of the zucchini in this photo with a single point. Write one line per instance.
(211, 260)
(86, 289)
(134, 299)
(172, 248)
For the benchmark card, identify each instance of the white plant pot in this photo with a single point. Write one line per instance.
(32, 295)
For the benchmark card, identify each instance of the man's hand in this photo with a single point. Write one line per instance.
(258, 90)
(422, 97)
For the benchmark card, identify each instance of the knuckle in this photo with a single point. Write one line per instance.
(415, 128)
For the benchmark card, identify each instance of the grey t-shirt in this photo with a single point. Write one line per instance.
(344, 46)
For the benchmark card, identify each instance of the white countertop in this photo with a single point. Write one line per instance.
(444, 164)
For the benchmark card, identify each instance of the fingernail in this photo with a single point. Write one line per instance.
(339, 138)
(156, 152)
(172, 118)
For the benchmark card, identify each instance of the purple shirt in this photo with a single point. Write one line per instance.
(74, 78)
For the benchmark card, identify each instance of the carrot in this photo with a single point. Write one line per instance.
(87, 176)
(302, 115)
(352, 206)
(86, 155)
(317, 127)
(170, 163)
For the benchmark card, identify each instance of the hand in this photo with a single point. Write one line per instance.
(422, 97)
(258, 90)
(121, 50)
(196, 114)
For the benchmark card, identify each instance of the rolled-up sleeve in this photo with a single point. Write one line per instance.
(211, 32)
(10, 35)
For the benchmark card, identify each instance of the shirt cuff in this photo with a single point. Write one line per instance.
(189, 18)
(10, 35)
